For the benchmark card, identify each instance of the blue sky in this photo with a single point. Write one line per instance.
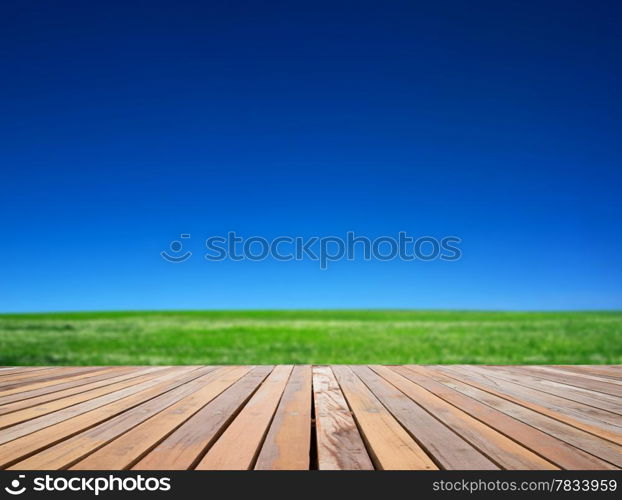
(124, 124)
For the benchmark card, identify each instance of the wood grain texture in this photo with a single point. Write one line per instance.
(29, 375)
(389, 445)
(553, 450)
(598, 447)
(53, 390)
(578, 394)
(53, 378)
(114, 384)
(582, 374)
(611, 371)
(66, 453)
(543, 372)
(187, 445)
(503, 451)
(288, 442)
(592, 420)
(311, 417)
(12, 370)
(238, 446)
(447, 447)
(35, 424)
(105, 379)
(339, 444)
(41, 439)
(127, 449)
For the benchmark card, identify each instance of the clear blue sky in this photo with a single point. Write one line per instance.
(124, 124)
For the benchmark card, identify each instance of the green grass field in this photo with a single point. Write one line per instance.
(266, 337)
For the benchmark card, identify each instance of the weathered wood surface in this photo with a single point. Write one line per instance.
(311, 417)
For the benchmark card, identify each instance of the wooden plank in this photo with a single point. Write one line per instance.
(58, 404)
(453, 417)
(596, 446)
(96, 382)
(53, 389)
(68, 452)
(388, 444)
(592, 420)
(610, 371)
(125, 451)
(288, 442)
(339, 444)
(14, 370)
(51, 374)
(582, 374)
(38, 423)
(4, 370)
(239, 444)
(25, 375)
(186, 445)
(506, 453)
(57, 378)
(447, 448)
(574, 380)
(553, 450)
(20, 448)
(602, 401)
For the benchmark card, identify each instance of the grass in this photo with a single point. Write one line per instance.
(266, 337)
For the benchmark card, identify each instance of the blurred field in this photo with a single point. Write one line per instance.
(266, 337)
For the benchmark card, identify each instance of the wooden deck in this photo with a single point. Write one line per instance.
(311, 417)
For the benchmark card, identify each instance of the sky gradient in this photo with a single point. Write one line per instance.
(125, 124)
